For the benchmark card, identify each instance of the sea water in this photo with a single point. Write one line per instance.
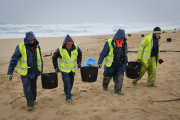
(83, 29)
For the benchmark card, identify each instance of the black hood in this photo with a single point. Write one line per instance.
(67, 39)
(120, 34)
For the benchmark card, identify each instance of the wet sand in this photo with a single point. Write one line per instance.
(138, 103)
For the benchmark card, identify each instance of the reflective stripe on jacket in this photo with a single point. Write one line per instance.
(67, 63)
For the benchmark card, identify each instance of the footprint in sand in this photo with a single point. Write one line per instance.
(3, 119)
(125, 110)
(13, 115)
(14, 106)
(5, 103)
(42, 111)
(23, 107)
(96, 117)
(95, 110)
(91, 105)
(20, 118)
(66, 112)
(37, 117)
(115, 110)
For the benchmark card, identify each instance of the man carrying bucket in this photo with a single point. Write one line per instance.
(69, 54)
(115, 54)
(148, 56)
(27, 57)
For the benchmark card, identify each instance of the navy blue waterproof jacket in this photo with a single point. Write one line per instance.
(119, 34)
(31, 57)
(56, 54)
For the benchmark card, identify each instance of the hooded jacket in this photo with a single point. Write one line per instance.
(119, 65)
(31, 57)
(56, 54)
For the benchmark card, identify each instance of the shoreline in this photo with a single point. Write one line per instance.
(90, 35)
(50, 43)
(8, 49)
(75, 36)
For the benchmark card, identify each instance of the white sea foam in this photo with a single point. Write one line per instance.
(57, 30)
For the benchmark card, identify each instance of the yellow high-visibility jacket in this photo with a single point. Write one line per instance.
(67, 63)
(22, 62)
(145, 47)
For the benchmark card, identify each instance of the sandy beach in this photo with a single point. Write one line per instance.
(139, 102)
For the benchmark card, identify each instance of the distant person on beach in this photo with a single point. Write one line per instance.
(115, 54)
(27, 57)
(174, 30)
(164, 31)
(148, 56)
(69, 55)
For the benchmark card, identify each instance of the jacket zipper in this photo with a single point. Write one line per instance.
(151, 49)
(33, 59)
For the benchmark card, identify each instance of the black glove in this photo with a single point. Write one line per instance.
(57, 70)
(40, 73)
(99, 66)
(79, 65)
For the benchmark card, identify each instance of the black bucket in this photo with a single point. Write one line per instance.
(129, 35)
(49, 80)
(133, 70)
(142, 35)
(89, 74)
(168, 39)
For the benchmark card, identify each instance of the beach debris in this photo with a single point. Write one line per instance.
(83, 90)
(168, 39)
(169, 100)
(47, 55)
(89, 61)
(160, 51)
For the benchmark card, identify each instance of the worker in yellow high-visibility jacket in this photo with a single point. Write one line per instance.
(174, 30)
(148, 55)
(164, 31)
(69, 55)
(116, 59)
(27, 57)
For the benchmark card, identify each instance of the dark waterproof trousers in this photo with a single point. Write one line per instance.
(30, 89)
(68, 79)
(118, 77)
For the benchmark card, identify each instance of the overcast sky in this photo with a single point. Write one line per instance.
(92, 11)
